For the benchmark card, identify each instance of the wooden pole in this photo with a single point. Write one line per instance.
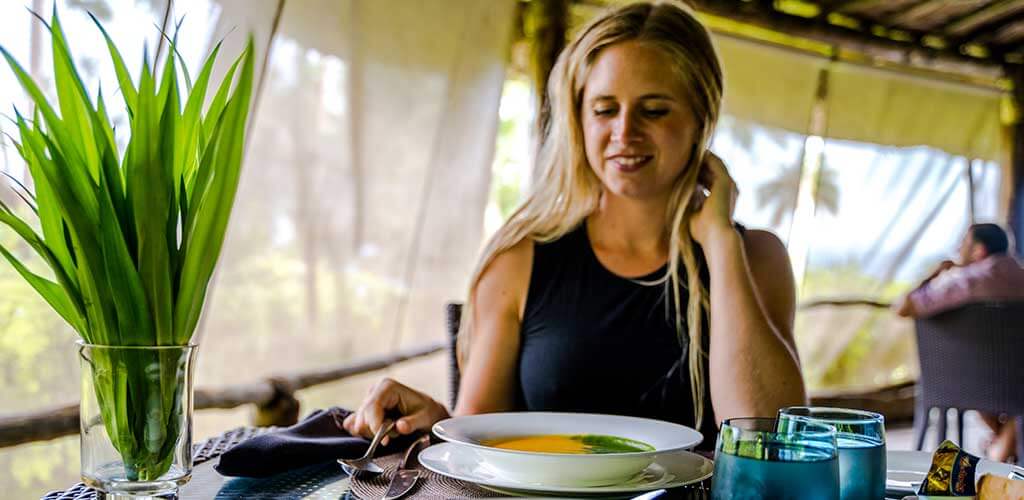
(1016, 215)
(547, 22)
(969, 174)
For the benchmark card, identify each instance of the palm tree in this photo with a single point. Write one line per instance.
(779, 196)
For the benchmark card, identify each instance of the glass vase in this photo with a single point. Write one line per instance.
(136, 419)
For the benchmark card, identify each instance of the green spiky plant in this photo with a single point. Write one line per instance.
(131, 239)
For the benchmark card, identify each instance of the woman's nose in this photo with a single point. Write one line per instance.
(625, 129)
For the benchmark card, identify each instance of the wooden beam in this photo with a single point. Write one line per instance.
(853, 5)
(910, 53)
(920, 10)
(896, 402)
(923, 8)
(273, 397)
(981, 17)
(845, 303)
(1010, 38)
(990, 35)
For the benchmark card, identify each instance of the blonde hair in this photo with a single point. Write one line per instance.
(565, 190)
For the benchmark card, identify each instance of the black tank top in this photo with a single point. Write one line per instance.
(593, 341)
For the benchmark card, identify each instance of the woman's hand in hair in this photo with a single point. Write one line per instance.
(714, 214)
(414, 410)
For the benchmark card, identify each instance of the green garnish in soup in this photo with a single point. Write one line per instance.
(581, 444)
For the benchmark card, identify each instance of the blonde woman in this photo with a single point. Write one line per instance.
(622, 284)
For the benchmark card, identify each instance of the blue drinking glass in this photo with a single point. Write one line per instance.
(756, 458)
(860, 437)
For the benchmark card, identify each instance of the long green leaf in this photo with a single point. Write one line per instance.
(197, 183)
(124, 78)
(49, 212)
(29, 236)
(53, 122)
(133, 316)
(212, 219)
(111, 180)
(51, 292)
(191, 122)
(74, 101)
(216, 107)
(95, 289)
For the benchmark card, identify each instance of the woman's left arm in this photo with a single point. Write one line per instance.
(754, 365)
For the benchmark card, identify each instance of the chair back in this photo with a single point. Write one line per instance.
(453, 312)
(972, 357)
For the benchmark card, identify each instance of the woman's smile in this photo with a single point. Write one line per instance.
(639, 129)
(630, 163)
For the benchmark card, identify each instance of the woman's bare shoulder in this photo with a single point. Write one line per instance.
(772, 274)
(518, 257)
(506, 279)
(765, 248)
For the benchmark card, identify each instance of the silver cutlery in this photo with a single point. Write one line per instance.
(364, 465)
(407, 473)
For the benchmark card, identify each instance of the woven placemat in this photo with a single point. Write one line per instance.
(430, 485)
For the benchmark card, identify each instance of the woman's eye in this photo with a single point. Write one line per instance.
(604, 111)
(655, 113)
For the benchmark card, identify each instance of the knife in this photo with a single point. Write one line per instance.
(407, 473)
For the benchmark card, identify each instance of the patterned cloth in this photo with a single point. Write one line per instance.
(318, 438)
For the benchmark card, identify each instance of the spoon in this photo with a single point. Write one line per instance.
(364, 464)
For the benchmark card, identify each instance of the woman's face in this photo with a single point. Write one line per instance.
(638, 129)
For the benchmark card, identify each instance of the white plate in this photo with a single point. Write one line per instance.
(559, 468)
(669, 470)
(906, 470)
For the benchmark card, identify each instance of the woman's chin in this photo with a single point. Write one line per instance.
(635, 192)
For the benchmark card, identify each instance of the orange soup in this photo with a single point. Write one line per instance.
(580, 444)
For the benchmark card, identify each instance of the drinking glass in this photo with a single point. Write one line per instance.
(756, 458)
(860, 437)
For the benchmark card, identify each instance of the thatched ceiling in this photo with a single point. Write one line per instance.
(983, 33)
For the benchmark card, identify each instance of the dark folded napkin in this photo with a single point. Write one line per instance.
(318, 438)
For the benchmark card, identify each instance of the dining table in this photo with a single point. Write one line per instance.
(323, 481)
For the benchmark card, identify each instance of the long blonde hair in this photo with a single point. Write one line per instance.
(565, 190)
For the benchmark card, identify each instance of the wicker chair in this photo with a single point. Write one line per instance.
(453, 311)
(972, 358)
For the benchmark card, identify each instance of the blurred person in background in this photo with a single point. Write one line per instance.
(986, 272)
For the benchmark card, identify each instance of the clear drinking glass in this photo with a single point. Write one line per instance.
(136, 419)
(755, 458)
(860, 437)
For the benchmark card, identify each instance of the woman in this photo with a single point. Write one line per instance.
(622, 285)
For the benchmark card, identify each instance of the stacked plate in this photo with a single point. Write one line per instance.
(614, 454)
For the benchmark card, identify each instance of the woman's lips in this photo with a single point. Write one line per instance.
(627, 164)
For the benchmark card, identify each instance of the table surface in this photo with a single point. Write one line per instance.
(325, 481)
(322, 481)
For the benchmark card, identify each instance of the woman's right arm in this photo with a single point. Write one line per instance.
(488, 377)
